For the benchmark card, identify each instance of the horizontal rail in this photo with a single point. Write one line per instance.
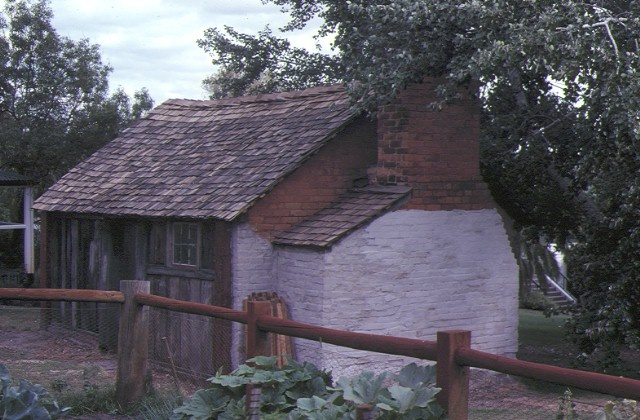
(10, 226)
(191, 307)
(66, 295)
(590, 381)
(411, 347)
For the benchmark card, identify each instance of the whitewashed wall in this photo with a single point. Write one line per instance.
(413, 273)
(252, 265)
(301, 279)
(409, 273)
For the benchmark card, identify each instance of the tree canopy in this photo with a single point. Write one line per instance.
(55, 107)
(560, 90)
(263, 63)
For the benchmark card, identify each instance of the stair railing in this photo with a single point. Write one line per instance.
(561, 289)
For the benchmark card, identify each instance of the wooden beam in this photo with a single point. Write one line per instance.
(64, 295)
(191, 307)
(411, 347)
(133, 345)
(451, 377)
(590, 381)
(29, 259)
(257, 340)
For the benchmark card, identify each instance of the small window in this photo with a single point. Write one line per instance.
(185, 244)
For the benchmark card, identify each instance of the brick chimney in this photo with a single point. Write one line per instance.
(435, 151)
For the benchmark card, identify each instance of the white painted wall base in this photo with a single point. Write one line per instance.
(409, 273)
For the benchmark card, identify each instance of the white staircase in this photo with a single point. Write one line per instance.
(557, 293)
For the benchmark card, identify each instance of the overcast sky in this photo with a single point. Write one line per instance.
(152, 43)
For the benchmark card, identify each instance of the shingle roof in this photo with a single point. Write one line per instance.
(202, 159)
(11, 179)
(354, 209)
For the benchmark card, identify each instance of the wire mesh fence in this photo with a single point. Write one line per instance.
(191, 347)
(60, 359)
(71, 347)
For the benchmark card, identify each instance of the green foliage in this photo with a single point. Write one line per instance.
(412, 396)
(612, 410)
(88, 401)
(280, 67)
(158, 405)
(536, 300)
(55, 107)
(566, 407)
(302, 391)
(25, 401)
(54, 104)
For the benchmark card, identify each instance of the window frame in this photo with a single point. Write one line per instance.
(171, 241)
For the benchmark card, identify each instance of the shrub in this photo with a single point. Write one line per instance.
(25, 401)
(537, 301)
(302, 391)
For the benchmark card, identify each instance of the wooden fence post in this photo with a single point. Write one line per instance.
(365, 412)
(452, 378)
(257, 341)
(253, 394)
(133, 344)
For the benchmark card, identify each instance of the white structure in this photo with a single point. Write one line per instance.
(12, 180)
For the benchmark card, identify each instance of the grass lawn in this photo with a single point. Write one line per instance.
(544, 340)
(536, 329)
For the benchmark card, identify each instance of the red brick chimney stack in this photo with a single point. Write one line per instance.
(435, 150)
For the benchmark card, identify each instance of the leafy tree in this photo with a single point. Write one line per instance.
(560, 89)
(250, 64)
(55, 107)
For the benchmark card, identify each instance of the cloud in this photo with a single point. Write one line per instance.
(152, 43)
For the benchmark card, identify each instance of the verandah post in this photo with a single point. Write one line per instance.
(452, 378)
(257, 341)
(133, 344)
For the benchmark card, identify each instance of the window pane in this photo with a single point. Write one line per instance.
(185, 243)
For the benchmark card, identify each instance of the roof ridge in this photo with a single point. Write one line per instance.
(259, 98)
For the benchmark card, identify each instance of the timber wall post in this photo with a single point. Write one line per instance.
(451, 377)
(133, 344)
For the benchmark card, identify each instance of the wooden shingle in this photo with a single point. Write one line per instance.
(202, 159)
(353, 210)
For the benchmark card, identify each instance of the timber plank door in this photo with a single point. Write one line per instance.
(194, 344)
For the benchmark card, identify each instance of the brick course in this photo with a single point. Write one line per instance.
(319, 181)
